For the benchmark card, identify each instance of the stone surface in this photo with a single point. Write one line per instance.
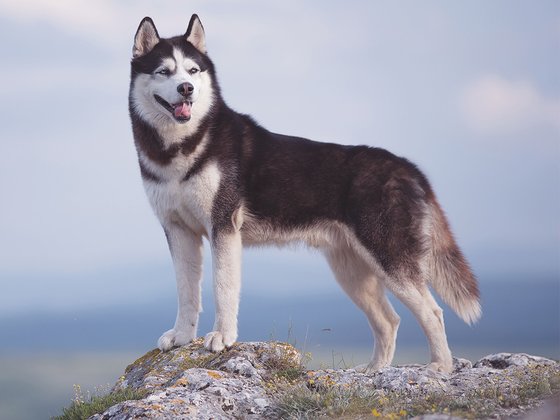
(251, 379)
(192, 382)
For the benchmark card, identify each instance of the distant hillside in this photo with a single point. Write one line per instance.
(517, 316)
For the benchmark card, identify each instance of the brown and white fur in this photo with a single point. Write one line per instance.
(211, 172)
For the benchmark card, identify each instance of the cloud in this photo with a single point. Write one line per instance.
(494, 105)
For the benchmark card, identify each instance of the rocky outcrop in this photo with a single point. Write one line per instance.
(192, 382)
(267, 380)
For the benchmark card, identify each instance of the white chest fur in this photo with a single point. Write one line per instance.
(189, 202)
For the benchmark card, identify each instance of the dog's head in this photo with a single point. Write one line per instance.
(172, 79)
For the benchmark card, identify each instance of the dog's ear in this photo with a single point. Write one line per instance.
(195, 34)
(145, 39)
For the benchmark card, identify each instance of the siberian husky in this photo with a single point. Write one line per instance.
(211, 172)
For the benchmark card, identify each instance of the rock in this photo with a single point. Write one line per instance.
(505, 360)
(190, 381)
(550, 410)
(267, 380)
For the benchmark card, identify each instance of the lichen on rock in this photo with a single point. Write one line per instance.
(190, 381)
(268, 380)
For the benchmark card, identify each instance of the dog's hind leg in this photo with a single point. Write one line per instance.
(359, 281)
(417, 297)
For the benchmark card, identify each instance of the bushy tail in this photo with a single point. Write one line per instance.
(449, 272)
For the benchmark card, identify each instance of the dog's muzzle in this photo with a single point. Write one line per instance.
(181, 111)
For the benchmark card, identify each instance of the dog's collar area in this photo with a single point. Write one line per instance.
(181, 111)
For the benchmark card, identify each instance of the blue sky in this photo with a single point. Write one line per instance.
(470, 91)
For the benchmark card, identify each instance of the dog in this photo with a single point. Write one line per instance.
(211, 172)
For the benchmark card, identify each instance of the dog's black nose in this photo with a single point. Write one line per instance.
(185, 89)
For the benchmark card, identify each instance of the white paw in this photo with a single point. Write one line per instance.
(369, 368)
(440, 367)
(215, 341)
(173, 338)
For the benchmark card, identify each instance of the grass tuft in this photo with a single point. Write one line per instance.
(83, 407)
(285, 366)
(331, 402)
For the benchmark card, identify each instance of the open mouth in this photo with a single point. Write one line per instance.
(181, 111)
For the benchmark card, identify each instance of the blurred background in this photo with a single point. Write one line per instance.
(470, 91)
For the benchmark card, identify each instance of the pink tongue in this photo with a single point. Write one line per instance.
(183, 110)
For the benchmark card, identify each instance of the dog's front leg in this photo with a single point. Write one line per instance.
(226, 258)
(186, 252)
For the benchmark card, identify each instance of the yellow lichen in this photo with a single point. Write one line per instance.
(214, 374)
(177, 401)
(181, 382)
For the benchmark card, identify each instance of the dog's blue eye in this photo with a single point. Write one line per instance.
(163, 72)
(194, 70)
